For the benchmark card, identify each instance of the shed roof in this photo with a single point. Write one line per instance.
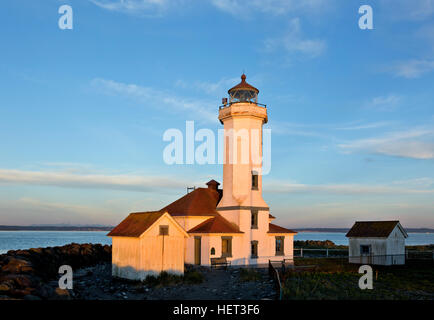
(135, 224)
(274, 228)
(374, 229)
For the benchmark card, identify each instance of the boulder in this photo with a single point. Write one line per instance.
(6, 287)
(44, 291)
(61, 294)
(16, 265)
(27, 273)
(31, 297)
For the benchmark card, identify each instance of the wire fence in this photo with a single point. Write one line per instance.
(308, 252)
(341, 253)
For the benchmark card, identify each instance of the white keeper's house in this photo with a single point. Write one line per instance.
(233, 223)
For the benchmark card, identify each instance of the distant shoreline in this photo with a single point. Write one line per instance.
(345, 230)
(55, 228)
(109, 228)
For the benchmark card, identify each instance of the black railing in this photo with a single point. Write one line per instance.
(274, 274)
(231, 103)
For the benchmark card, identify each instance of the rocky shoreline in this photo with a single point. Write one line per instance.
(25, 274)
(33, 275)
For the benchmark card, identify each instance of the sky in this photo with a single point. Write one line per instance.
(83, 111)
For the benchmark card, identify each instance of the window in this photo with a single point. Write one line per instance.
(164, 230)
(254, 250)
(365, 249)
(279, 246)
(255, 181)
(254, 219)
(226, 246)
(212, 251)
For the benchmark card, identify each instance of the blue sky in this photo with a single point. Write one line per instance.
(83, 111)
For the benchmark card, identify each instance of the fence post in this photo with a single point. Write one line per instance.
(301, 252)
(327, 252)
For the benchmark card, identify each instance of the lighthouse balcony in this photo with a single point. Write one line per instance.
(234, 102)
(243, 109)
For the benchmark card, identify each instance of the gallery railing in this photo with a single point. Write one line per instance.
(231, 103)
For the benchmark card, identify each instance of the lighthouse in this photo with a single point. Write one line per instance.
(211, 226)
(242, 203)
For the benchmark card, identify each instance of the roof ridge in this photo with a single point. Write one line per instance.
(378, 221)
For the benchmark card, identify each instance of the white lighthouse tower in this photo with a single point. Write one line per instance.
(242, 202)
(210, 226)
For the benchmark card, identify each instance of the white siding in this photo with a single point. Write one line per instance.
(384, 251)
(136, 258)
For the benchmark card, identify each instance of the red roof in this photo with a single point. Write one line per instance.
(217, 224)
(135, 224)
(243, 85)
(274, 228)
(375, 229)
(200, 202)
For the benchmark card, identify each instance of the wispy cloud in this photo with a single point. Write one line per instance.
(209, 87)
(384, 103)
(241, 8)
(165, 100)
(415, 10)
(323, 130)
(363, 126)
(149, 8)
(294, 43)
(237, 8)
(413, 143)
(92, 181)
(344, 189)
(410, 69)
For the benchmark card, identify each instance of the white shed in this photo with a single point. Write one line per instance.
(146, 243)
(377, 242)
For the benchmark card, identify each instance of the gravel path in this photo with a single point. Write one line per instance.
(96, 283)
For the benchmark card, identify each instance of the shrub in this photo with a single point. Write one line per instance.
(193, 277)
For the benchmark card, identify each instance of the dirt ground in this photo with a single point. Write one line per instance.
(96, 283)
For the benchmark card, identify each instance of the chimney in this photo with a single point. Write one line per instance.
(212, 184)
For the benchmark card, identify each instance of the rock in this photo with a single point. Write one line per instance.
(44, 291)
(31, 297)
(5, 287)
(23, 281)
(15, 265)
(19, 293)
(62, 294)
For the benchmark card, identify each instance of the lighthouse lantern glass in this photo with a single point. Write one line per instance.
(243, 96)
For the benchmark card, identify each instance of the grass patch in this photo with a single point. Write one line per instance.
(335, 280)
(193, 277)
(163, 279)
(249, 275)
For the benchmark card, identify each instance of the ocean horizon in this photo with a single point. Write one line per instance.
(22, 240)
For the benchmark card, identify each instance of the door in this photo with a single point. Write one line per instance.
(197, 250)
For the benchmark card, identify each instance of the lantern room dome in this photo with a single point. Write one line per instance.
(243, 92)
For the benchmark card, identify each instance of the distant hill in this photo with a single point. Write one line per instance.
(55, 228)
(345, 230)
(109, 228)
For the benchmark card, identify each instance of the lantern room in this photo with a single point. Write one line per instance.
(243, 92)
